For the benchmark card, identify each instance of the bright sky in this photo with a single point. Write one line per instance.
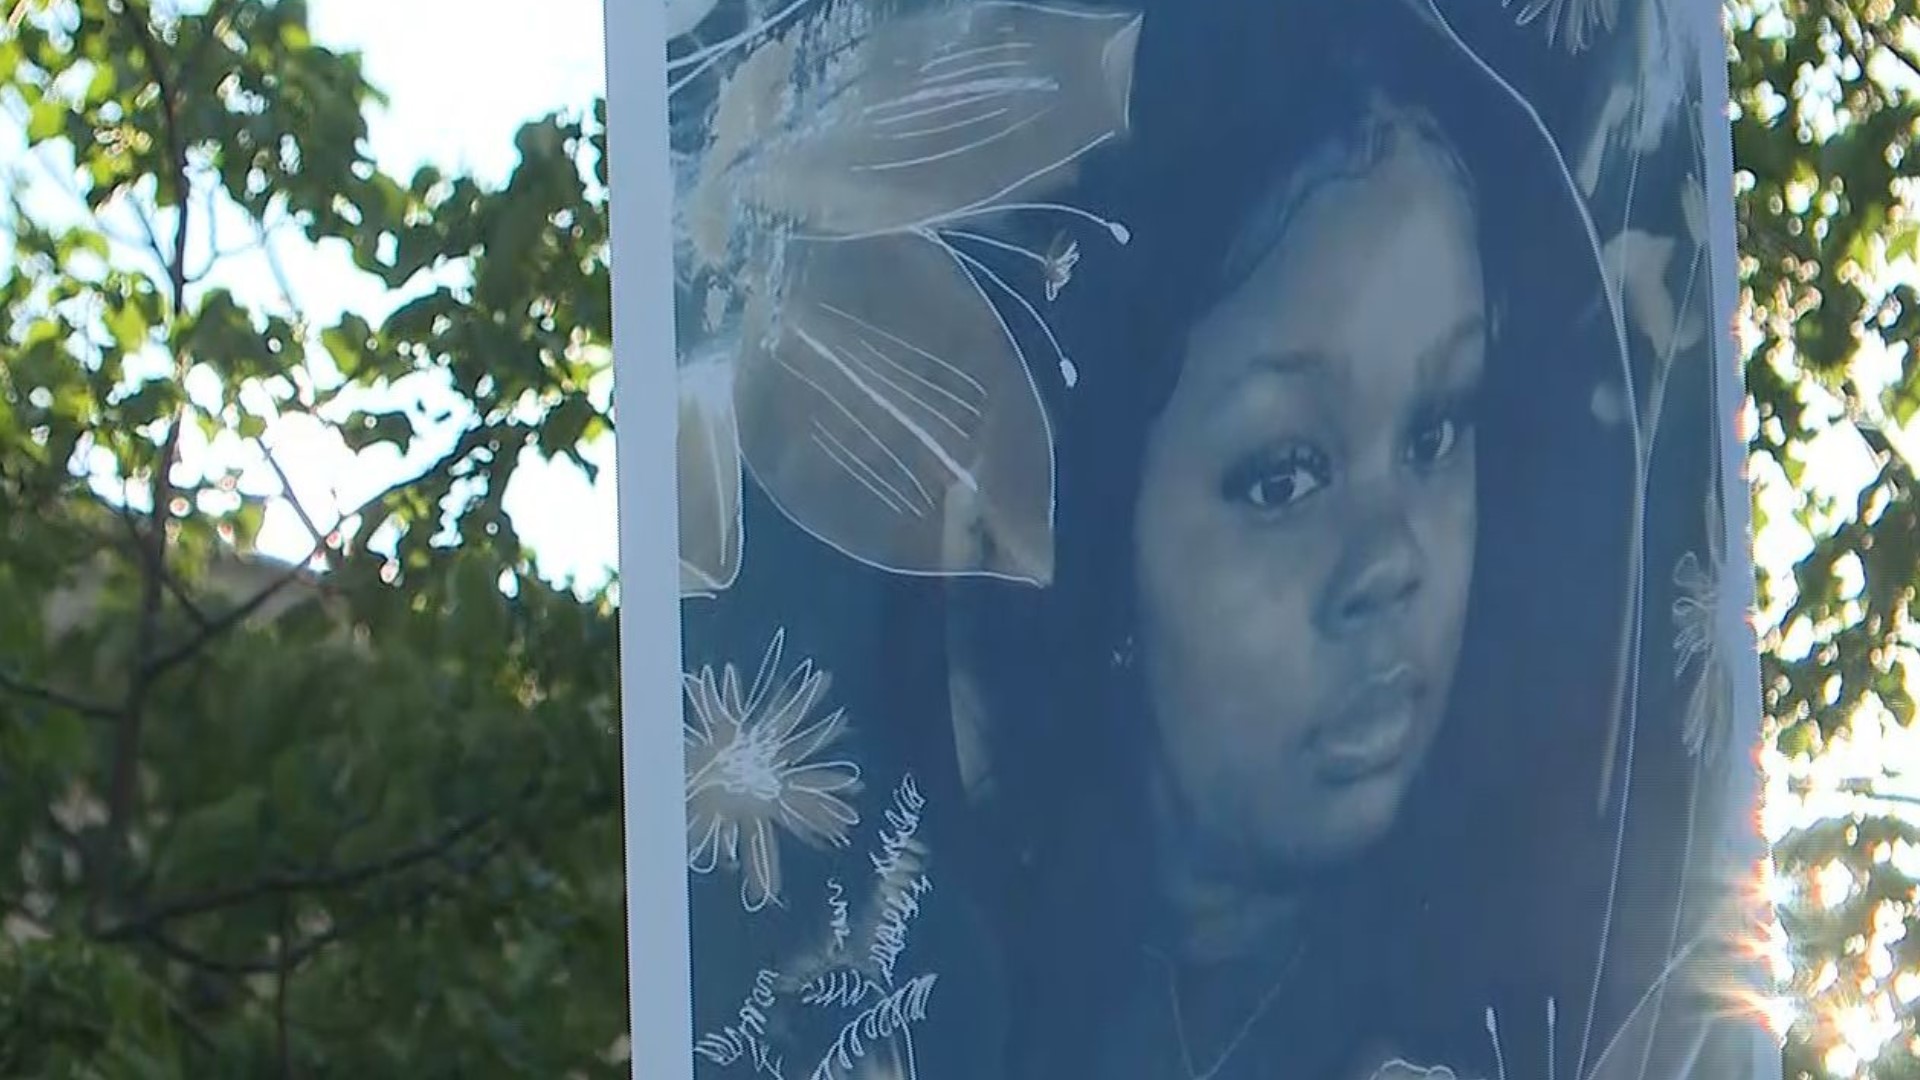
(460, 80)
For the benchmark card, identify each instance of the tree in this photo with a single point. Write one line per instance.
(1825, 115)
(357, 816)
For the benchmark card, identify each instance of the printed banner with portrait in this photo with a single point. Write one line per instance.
(1183, 540)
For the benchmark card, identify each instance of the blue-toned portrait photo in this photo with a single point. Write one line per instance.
(1204, 541)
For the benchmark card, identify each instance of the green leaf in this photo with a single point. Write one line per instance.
(129, 327)
(348, 344)
(1902, 241)
(368, 429)
(1796, 741)
(46, 120)
(565, 425)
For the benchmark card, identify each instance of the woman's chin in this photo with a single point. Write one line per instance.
(1354, 818)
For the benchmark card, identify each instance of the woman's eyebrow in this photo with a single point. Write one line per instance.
(1439, 355)
(1291, 362)
(1309, 362)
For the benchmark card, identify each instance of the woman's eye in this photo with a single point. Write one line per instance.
(1437, 439)
(1278, 481)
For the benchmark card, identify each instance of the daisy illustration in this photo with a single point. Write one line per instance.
(1570, 23)
(1696, 614)
(752, 773)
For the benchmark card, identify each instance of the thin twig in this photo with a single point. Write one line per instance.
(283, 885)
(279, 272)
(1882, 39)
(218, 625)
(150, 51)
(323, 540)
(66, 187)
(295, 957)
(47, 695)
(280, 980)
(136, 539)
(233, 617)
(152, 232)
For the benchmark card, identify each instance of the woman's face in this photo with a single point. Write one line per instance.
(1306, 522)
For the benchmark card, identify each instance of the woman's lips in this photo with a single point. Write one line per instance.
(1373, 732)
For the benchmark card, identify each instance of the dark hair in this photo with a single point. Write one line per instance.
(1290, 95)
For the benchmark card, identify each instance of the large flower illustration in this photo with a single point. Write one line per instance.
(751, 771)
(857, 287)
(683, 15)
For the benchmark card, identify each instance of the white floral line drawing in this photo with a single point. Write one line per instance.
(750, 771)
(1707, 718)
(860, 958)
(1572, 23)
(1654, 87)
(1401, 1069)
(1651, 92)
(854, 353)
(859, 971)
(853, 972)
(1697, 616)
(1645, 102)
(886, 1023)
(1634, 1051)
(686, 16)
(1639, 275)
(747, 1039)
(1625, 695)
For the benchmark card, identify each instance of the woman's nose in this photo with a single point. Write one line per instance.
(1379, 570)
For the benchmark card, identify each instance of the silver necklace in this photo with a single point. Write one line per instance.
(1239, 1036)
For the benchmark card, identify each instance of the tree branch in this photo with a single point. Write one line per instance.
(124, 778)
(138, 22)
(289, 959)
(19, 687)
(282, 885)
(1881, 38)
(153, 235)
(136, 539)
(280, 980)
(220, 624)
(322, 539)
(1864, 788)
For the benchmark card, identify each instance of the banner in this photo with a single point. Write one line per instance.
(1183, 541)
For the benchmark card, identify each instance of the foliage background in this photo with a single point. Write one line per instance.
(258, 820)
